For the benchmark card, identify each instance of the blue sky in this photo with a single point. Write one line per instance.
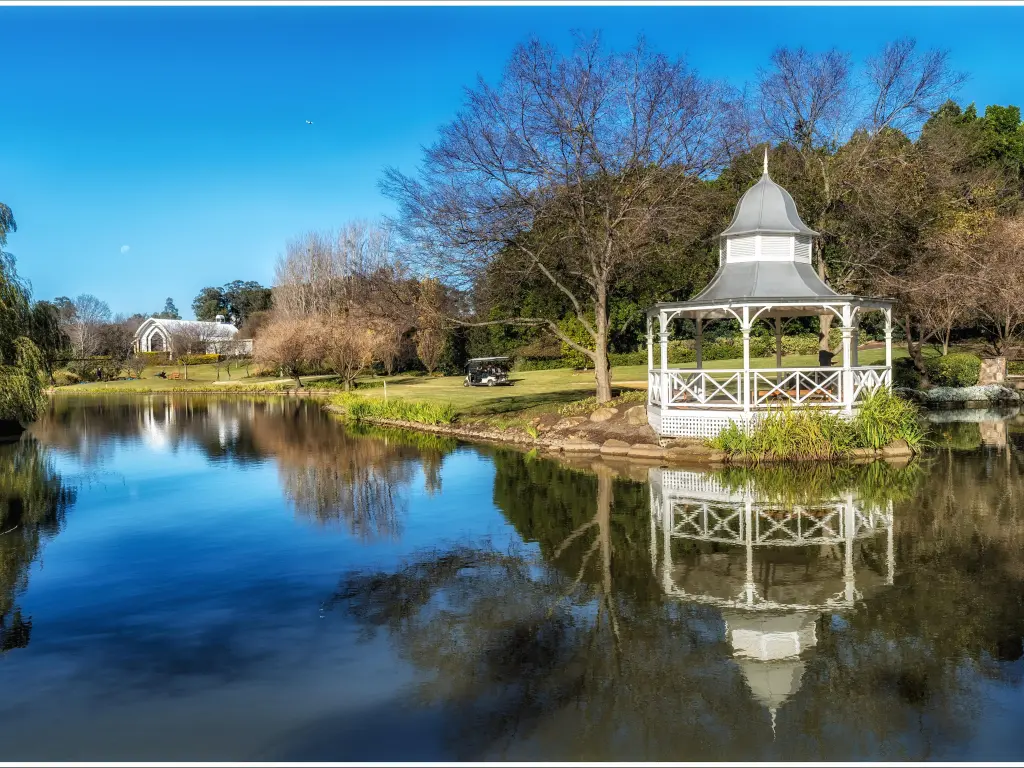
(180, 132)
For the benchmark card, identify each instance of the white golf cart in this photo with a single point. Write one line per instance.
(487, 372)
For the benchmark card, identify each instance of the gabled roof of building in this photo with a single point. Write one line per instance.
(206, 330)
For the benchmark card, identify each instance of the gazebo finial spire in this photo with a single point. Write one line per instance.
(766, 161)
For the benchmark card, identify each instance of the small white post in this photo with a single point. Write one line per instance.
(385, 391)
(745, 329)
(847, 375)
(663, 340)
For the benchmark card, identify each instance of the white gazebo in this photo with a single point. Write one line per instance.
(765, 274)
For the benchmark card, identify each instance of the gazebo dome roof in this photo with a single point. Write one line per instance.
(767, 208)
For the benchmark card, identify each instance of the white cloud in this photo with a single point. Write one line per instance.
(125, 248)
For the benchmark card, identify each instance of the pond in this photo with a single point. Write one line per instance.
(203, 578)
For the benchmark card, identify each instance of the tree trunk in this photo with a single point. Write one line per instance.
(945, 340)
(602, 369)
(185, 366)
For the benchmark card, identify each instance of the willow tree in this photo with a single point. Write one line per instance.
(21, 366)
(569, 169)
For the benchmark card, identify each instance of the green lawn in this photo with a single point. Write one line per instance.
(535, 390)
(538, 389)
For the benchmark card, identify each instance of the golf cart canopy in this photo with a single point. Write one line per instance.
(476, 362)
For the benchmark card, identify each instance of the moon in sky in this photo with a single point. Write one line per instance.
(125, 248)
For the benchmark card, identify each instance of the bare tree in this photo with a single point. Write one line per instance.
(290, 345)
(566, 170)
(999, 291)
(349, 345)
(432, 305)
(84, 322)
(190, 342)
(814, 102)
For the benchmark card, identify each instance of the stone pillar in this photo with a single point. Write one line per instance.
(993, 370)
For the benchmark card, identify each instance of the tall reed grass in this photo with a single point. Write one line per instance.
(788, 434)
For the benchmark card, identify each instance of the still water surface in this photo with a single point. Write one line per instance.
(196, 578)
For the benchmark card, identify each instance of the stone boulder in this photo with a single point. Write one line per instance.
(570, 422)
(637, 415)
(604, 414)
(646, 452)
(580, 446)
(897, 449)
(615, 447)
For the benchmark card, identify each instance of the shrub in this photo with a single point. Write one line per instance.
(957, 369)
(416, 411)
(65, 378)
(884, 418)
(904, 374)
(198, 359)
(539, 363)
(155, 358)
(1015, 367)
(801, 344)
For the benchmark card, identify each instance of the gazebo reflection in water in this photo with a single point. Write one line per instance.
(772, 567)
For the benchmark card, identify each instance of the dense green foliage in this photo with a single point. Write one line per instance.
(237, 301)
(954, 370)
(788, 434)
(22, 367)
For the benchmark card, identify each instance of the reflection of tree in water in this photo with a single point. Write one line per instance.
(522, 666)
(33, 501)
(329, 473)
(354, 477)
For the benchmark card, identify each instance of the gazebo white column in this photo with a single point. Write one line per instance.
(888, 342)
(663, 340)
(745, 329)
(847, 375)
(650, 343)
(699, 344)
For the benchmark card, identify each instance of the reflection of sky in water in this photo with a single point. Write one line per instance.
(184, 613)
(178, 611)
